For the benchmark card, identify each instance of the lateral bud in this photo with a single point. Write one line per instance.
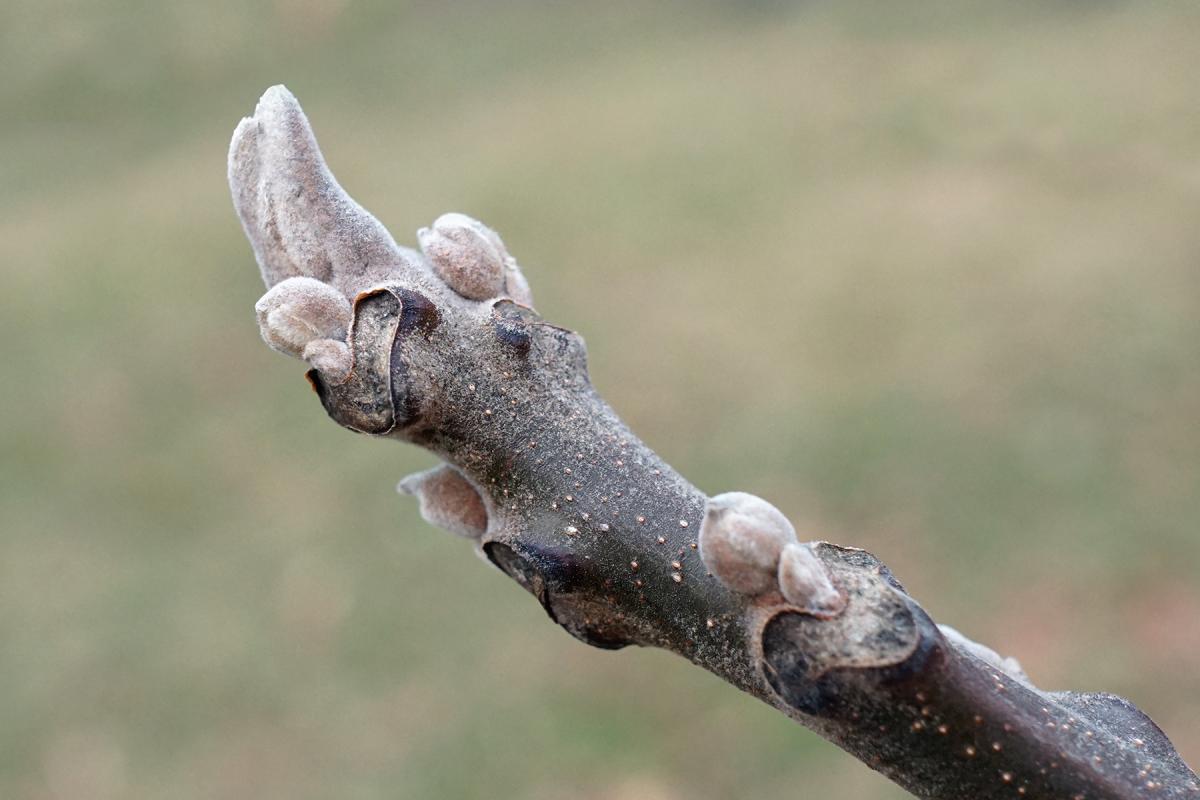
(741, 539)
(515, 284)
(330, 357)
(466, 254)
(299, 310)
(804, 581)
(982, 651)
(447, 500)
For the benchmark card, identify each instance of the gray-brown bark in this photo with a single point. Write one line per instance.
(562, 497)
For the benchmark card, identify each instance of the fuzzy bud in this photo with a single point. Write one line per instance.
(466, 254)
(988, 655)
(298, 310)
(330, 357)
(805, 582)
(515, 284)
(448, 501)
(741, 539)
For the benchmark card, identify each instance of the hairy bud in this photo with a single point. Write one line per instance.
(515, 284)
(298, 310)
(741, 539)
(448, 501)
(1006, 663)
(805, 582)
(329, 356)
(466, 254)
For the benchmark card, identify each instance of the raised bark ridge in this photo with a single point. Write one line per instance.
(442, 348)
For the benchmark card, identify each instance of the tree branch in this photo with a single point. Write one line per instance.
(442, 348)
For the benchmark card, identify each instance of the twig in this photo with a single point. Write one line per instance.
(442, 348)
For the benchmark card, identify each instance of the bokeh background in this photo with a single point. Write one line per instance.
(927, 276)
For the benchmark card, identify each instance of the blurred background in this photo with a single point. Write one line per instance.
(927, 276)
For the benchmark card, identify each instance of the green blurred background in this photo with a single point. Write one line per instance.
(927, 276)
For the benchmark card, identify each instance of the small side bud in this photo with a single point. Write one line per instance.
(298, 310)
(330, 357)
(466, 254)
(805, 582)
(982, 651)
(448, 501)
(515, 284)
(741, 539)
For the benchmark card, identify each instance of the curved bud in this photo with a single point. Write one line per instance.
(454, 220)
(298, 219)
(466, 254)
(448, 501)
(515, 284)
(330, 357)
(1006, 663)
(805, 582)
(741, 539)
(298, 310)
